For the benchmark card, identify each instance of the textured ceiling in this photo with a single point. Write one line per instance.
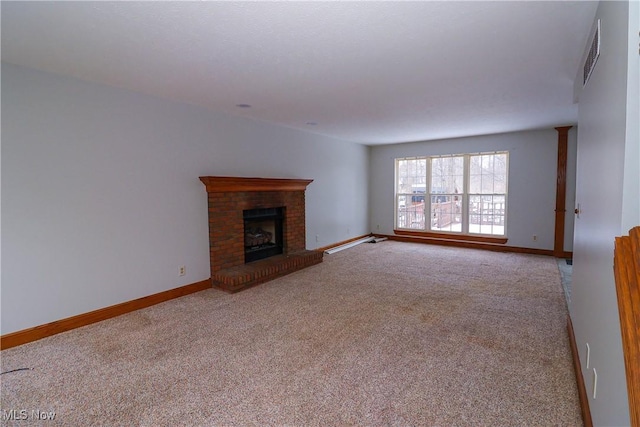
(369, 72)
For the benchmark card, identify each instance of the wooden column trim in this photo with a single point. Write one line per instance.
(561, 191)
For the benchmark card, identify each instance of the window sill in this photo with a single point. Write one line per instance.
(452, 236)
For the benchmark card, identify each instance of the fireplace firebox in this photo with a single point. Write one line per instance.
(262, 233)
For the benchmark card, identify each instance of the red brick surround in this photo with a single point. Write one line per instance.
(228, 197)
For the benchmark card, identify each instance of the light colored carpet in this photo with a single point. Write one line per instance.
(566, 271)
(380, 334)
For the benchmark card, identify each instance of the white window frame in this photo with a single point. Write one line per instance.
(465, 196)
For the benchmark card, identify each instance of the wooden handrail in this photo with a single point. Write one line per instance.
(627, 274)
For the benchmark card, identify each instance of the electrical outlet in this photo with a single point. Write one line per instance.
(378, 227)
(535, 237)
(317, 237)
(182, 270)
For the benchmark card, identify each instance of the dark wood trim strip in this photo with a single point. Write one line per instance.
(561, 190)
(470, 245)
(344, 242)
(38, 332)
(582, 391)
(223, 184)
(626, 265)
(447, 236)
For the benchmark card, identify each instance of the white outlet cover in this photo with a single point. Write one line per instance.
(588, 355)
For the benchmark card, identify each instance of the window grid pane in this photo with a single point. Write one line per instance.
(447, 175)
(446, 213)
(412, 175)
(410, 215)
(487, 214)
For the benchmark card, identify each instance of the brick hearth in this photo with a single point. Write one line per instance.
(228, 197)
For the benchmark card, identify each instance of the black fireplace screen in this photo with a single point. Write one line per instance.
(262, 233)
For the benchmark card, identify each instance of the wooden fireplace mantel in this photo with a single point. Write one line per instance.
(225, 184)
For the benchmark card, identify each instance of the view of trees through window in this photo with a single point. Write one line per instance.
(464, 193)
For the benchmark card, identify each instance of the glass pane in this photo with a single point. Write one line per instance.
(446, 212)
(475, 175)
(500, 173)
(412, 175)
(486, 214)
(488, 173)
(402, 212)
(447, 175)
(410, 214)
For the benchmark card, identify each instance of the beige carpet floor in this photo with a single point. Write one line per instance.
(380, 334)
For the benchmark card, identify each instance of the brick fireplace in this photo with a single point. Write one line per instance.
(229, 199)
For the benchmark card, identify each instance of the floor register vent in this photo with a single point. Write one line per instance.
(369, 239)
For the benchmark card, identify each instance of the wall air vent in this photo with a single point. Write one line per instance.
(592, 56)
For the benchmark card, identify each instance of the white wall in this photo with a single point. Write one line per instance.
(602, 174)
(631, 186)
(101, 200)
(533, 159)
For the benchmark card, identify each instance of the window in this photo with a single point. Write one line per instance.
(464, 194)
(447, 183)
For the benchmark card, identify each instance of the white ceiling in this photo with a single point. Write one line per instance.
(369, 72)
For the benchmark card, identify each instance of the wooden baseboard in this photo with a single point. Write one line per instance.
(468, 244)
(344, 242)
(38, 332)
(582, 391)
(452, 236)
